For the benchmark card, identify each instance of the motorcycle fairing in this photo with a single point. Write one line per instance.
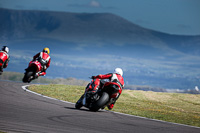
(36, 65)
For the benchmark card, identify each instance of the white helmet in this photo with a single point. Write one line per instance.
(5, 48)
(118, 71)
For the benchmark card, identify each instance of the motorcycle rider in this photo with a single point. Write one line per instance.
(4, 58)
(116, 77)
(44, 58)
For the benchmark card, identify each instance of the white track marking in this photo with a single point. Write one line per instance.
(25, 89)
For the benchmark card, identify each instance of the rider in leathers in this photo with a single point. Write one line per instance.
(4, 58)
(44, 58)
(113, 77)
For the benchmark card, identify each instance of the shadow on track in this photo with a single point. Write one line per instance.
(83, 109)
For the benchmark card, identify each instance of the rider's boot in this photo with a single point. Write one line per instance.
(110, 106)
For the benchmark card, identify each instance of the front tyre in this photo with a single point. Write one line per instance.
(103, 100)
(79, 104)
(28, 77)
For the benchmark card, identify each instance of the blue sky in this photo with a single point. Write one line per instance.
(169, 16)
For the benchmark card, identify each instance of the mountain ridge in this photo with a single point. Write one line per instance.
(90, 28)
(49, 21)
(72, 24)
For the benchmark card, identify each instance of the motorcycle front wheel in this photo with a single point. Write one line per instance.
(27, 76)
(79, 104)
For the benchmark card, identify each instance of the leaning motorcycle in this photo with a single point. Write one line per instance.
(33, 68)
(103, 97)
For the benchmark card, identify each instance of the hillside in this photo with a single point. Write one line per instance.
(81, 27)
(74, 27)
(86, 44)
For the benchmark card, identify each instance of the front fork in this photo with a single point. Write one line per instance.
(84, 100)
(88, 99)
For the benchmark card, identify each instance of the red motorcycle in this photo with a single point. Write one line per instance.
(33, 68)
(3, 61)
(104, 96)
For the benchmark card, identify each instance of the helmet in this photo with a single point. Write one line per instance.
(46, 50)
(5, 48)
(118, 71)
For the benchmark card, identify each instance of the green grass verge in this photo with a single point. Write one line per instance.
(171, 107)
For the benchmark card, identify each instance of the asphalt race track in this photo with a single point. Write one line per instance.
(24, 112)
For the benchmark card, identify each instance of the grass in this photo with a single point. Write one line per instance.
(171, 107)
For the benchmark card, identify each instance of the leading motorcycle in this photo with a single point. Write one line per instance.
(33, 68)
(104, 96)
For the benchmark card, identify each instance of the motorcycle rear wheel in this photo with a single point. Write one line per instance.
(103, 100)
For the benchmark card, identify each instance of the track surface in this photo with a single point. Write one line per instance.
(24, 112)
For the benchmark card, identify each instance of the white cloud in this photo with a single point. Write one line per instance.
(94, 3)
(56, 63)
(81, 47)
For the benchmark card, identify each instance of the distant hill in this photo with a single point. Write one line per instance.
(69, 26)
(80, 27)
(85, 44)
(85, 27)
(93, 28)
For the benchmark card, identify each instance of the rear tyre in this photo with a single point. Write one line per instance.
(100, 103)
